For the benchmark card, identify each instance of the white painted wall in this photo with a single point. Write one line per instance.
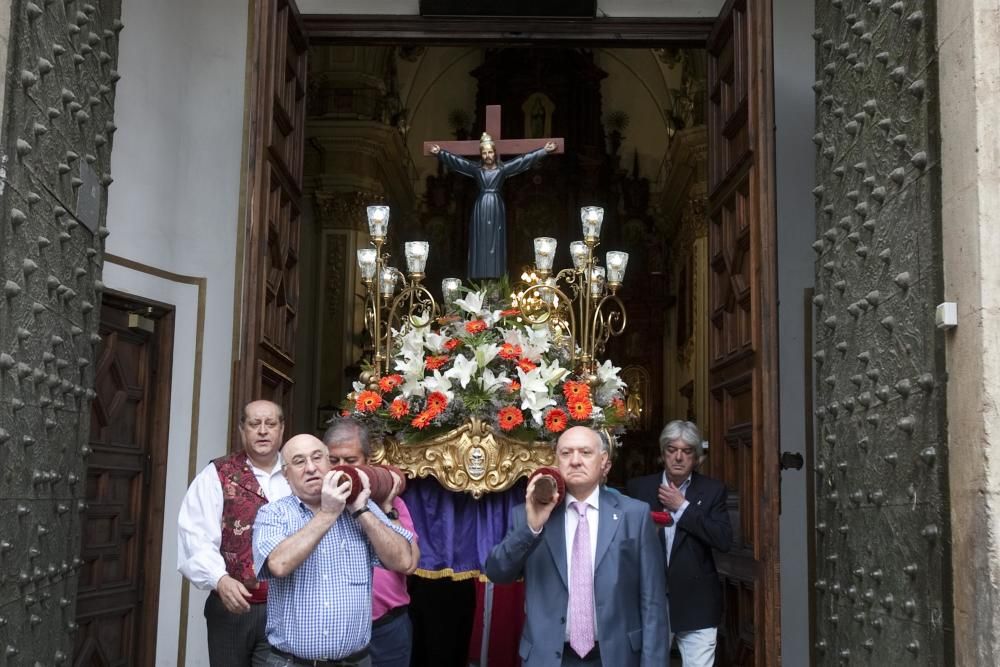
(795, 157)
(174, 206)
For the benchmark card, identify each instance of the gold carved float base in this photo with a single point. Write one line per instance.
(472, 458)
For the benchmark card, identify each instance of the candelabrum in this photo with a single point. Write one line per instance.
(580, 301)
(385, 308)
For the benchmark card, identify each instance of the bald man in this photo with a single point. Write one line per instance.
(317, 550)
(214, 537)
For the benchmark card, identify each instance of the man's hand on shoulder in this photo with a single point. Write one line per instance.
(233, 594)
(537, 513)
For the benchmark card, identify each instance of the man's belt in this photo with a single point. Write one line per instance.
(339, 662)
(390, 615)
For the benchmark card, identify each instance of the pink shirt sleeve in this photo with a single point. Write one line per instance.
(389, 588)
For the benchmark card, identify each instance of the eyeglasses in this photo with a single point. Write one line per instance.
(299, 462)
(686, 451)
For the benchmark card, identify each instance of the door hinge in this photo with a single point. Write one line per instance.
(138, 319)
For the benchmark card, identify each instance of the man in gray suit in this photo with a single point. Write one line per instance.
(593, 569)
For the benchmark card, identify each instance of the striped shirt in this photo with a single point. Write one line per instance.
(322, 610)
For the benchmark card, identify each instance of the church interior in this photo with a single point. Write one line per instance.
(633, 121)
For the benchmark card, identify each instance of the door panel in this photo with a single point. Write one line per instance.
(743, 426)
(121, 533)
(264, 368)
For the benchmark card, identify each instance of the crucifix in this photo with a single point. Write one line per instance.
(488, 224)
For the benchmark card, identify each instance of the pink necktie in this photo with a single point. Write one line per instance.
(581, 587)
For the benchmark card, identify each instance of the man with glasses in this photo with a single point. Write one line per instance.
(214, 532)
(316, 550)
(699, 523)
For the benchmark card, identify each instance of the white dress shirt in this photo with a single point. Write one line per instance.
(199, 524)
(572, 519)
(671, 530)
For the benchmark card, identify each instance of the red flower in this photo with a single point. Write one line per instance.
(451, 344)
(437, 402)
(433, 362)
(509, 312)
(399, 408)
(581, 409)
(619, 408)
(510, 351)
(514, 386)
(526, 365)
(575, 391)
(475, 326)
(510, 418)
(390, 382)
(555, 420)
(345, 413)
(423, 419)
(664, 519)
(368, 401)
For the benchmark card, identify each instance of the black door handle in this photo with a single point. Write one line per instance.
(791, 461)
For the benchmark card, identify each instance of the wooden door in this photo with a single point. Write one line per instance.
(122, 524)
(743, 403)
(270, 288)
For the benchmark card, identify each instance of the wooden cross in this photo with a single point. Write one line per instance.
(502, 146)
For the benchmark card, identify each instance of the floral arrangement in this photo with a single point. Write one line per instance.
(490, 364)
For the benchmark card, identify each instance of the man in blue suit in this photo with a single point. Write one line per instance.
(593, 569)
(700, 524)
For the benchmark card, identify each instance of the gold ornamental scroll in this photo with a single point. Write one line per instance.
(472, 458)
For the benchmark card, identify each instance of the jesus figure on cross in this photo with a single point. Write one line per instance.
(488, 224)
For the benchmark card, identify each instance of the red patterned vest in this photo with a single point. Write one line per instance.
(242, 497)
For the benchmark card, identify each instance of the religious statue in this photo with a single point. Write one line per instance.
(488, 224)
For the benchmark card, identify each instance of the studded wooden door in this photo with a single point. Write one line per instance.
(122, 520)
(882, 518)
(743, 409)
(270, 288)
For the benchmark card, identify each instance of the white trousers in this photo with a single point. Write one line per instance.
(697, 647)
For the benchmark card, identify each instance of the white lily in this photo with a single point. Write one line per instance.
(552, 373)
(462, 370)
(609, 383)
(534, 394)
(412, 386)
(472, 303)
(358, 386)
(439, 382)
(536, 343)
(435, 342)
(413, 344)
(492, 382)
(486, 353)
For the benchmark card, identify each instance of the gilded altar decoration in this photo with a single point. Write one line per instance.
(473, 391)
(472, 458)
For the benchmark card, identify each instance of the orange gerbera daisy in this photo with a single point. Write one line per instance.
(580, 409)
(618, 405)
(433, 362)
(422, 420)
(514, 386)
(555, 420)
(368, 401)
(526, 365)
(510, 351)
(451, 344)
(399, 408)
(390, 382)
(475, 326)
(574, 391)
(510, 418)
(436, 402)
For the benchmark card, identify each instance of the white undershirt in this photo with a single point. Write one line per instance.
(199, 524)
(572, 518)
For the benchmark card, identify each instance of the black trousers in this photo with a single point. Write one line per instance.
(236, 640)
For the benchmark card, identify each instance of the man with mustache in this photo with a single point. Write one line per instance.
(316, 550)
(214, 531)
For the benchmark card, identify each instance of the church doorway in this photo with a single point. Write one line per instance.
(687, 181)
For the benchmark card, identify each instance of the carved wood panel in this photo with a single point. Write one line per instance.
(271, 263)
(742, 423)
(882, 516)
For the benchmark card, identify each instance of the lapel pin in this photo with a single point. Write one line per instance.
(614, 516)
(699, 502)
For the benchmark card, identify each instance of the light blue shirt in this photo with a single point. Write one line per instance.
(671, 530)
(322, 610)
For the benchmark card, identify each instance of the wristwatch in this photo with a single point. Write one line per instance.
(360, 512)
(393, 514)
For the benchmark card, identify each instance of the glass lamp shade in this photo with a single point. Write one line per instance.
(579, 251)
(366, 262)
(616, 261)
(416, 255)
(591, 217)
(388, 281)
(378, 221)
(549, 295)
(597, 281)
(545, 252)
(450, 289)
